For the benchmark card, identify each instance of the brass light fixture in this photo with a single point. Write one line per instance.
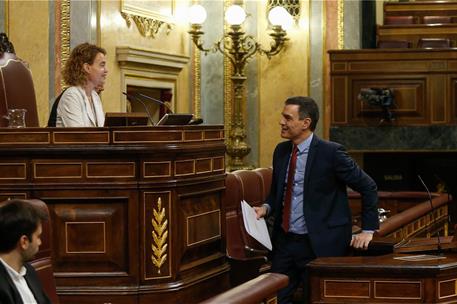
(239, 48)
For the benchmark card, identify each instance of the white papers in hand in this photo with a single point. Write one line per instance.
(254, 227)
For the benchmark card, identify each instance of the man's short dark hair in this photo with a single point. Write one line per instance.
(18, 218)
(307, 108)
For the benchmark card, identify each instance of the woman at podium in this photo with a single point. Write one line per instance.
(85, 72)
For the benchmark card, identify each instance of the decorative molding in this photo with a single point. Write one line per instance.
(127, 56)
(340, 24)
(148, 27)
(228, 89)
(159, 236)
(149, 16)
(64, 34)
(292, 6)
(196, 62)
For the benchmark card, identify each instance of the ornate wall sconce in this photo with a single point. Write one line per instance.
(239, 48)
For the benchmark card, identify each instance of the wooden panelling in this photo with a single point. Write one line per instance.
(13, 171)
(447, 288)
(12, 195)
(413, 32)
(347, 288)
(110, 169)
(423, 83)
(438, 93)
(218, 164)
(157, 169)
(49, 170)
(398, 290)
(120, 137)
(24, 138)
(87, 137)
(409, 99)
(184, 167)
(203, 165)
(213, 134)
(339, 98)
(92, 234)
(193, 135)
(203, 227)
(157, 235)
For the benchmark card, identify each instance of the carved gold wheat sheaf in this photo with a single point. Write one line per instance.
(159, 236)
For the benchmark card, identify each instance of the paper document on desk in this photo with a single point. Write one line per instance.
(254, 227)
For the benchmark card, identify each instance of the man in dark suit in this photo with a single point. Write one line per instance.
(308, 197)
(20, 231)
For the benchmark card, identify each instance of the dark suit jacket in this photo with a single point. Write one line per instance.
(9, 293)
(327, 214)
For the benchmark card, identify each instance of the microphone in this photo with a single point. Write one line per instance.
(433, 209)
(130, 97)
(160, 102)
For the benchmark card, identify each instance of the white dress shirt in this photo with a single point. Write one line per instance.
(20, 283)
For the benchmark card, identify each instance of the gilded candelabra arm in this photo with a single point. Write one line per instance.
(196, 34)
(238, 47)
(279, 39)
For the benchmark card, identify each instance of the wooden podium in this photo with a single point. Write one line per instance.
(136, 212)
(393, 278)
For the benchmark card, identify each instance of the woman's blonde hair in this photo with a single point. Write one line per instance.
(73, 73)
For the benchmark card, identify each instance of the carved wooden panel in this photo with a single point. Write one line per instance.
(156, 169)
(347, 288)
(447, 288)
(409, 95)
(12, 195)
(203, 227)
(92, 234)
(24, 138)
(10, 171)
(405, 290)
(78, 137)
(157, 236)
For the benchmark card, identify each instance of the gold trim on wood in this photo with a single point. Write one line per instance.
(159, 243)
(15, 164)
(146, 239)
(110, 163)
(104, 237)
(343, 281)
(70, 133)
(448, 296)
(340, 24)
(210, 159)
(399, 282)
(55, 164)
(65, 22)
(164, 162)
(208, 239)
(196, 61)
(12, 195)
(183, 161)
(27, 134)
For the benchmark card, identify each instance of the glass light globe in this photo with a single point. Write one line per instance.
(280, 16)
(235, 15)
(197, 14)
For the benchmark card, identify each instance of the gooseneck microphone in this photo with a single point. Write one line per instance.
(130, 97)
(158, 101)
(433, 209)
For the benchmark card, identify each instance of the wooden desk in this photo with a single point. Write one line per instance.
(136, 211)
(384, 280)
